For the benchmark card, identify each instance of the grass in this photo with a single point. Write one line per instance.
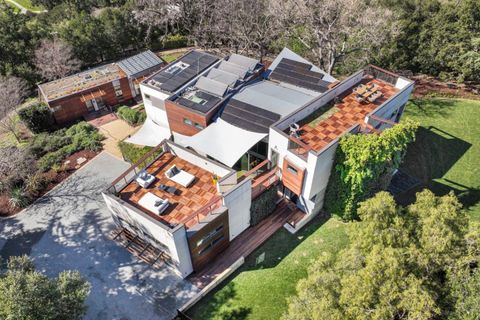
(172, 56)
(446, 153)
(260, 288)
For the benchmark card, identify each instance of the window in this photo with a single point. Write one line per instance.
(187, 121)
(210, 235)
(119, 93)
(292, 170)
(147, 97)
(89, 105)
(198, 126)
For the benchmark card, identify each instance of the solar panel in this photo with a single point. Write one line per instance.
(139, 63)
(248, 117)
(196, 62)
(233, 68)
(223, 76)
(214, 87)
(296, 73)
(243, 61)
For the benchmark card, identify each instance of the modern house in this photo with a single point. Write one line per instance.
(72, 97)
(277, 130)
(182, 98)
(186, 207)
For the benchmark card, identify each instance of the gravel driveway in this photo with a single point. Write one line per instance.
(67, 229)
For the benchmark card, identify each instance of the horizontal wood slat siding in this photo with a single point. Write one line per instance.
(73, 108)
(176, 114)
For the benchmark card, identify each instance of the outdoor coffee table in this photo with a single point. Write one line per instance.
(168, 189)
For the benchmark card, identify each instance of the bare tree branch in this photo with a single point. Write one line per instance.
(12, 93)
(54, 59)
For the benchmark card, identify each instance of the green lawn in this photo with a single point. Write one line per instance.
(259, 289)
(172, 56)
(446, 154)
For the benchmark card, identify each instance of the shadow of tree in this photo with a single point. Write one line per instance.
(429, 159)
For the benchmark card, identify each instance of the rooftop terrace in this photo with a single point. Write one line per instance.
(335, 118)
(187, 203)
(81, 81)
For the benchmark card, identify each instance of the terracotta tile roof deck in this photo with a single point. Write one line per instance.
(318, 134)
(186, 202)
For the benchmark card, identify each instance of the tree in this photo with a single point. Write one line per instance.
(28, 294)
(337, 30)
(12, 93)
(398, 265)
(364, 165)
(54, 59)
(16, 166)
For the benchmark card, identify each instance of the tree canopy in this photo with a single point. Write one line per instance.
(26, 294)
(418, 262)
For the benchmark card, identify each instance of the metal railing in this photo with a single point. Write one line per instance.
(214, 203)
(298, 147)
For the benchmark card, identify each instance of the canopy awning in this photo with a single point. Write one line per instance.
(150, 134)
(223, 141)
(92, 95)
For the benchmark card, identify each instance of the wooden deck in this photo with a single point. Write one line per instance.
(244, 244)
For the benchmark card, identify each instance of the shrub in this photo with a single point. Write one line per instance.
(131, 116)
(18, 198)
(43, 143)
(38, 118)
(263, 206)
(51, 159)
(35, 184)
(174, 41)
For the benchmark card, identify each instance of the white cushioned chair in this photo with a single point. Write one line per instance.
(144, 179)
(153, 203)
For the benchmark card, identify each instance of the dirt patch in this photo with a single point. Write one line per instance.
(71, 164)
(426, 86)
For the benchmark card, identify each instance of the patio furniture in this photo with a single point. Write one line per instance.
(144, 179)
(153, 203)
(375, 96)
(294, 127)
(168, 189)
(179, 176)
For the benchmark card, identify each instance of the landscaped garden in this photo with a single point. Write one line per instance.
(42, 158)
(444, 157)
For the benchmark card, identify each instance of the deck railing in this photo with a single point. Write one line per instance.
(259, 168)
(214, 203)
(298, 147)
(264, 182)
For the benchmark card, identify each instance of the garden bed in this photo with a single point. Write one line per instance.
(69, 166)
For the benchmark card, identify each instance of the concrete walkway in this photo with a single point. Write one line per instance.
(114, 132)
(67, 230)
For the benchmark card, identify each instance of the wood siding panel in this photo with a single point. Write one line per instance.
(292, 181)
(176, 114)
(199, 259)
(73, 108)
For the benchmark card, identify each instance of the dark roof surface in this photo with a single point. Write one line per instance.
(197, 62)
(140, 63)
(248, 117)
(211, 101)
(299, 74)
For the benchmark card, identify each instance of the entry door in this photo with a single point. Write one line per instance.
(95, 105)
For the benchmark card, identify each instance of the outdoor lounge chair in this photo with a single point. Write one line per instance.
(144, 179)
(153, 203)
(179, 176)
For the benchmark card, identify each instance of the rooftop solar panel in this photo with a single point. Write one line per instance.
(233, 68)
(214, 87)
(139, 63)
(177, 74)
(243, 61)
(248, 117)
(295, 73)
(223, 76)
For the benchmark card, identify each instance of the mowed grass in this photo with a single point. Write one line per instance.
(260, 288)
(446, 153)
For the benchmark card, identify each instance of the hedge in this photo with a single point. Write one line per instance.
(131, 116)
(38, 118)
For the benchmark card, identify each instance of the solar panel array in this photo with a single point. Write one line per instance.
(248, 117)
(140, 63)
(211, 101)
(228, 78)
(299, 74)
(211, 86)
(197, 62)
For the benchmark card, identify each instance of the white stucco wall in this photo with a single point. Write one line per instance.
(175, 240)
(238, 201)
(155, 106)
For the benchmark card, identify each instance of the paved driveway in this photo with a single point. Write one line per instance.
(67, 229)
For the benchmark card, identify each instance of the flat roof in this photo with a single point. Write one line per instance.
(79, 82)
(140, 64)
(249, 117)
(198, 100)
(185, 203)
(181, 71)
(329, 122)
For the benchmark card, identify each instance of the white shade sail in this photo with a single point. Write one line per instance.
(150, 134)
(224, 141)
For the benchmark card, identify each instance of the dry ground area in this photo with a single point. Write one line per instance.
(114, 132)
